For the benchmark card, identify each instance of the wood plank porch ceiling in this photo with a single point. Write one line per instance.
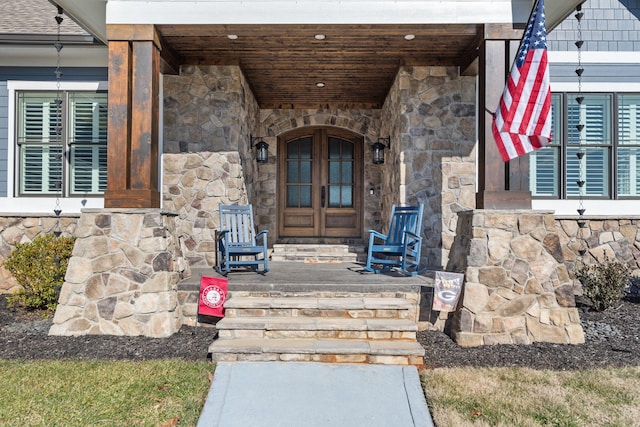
(357, 63)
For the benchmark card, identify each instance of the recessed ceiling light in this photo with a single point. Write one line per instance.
(232, 36)
(409, 36)
(320, 37)
(320, 84)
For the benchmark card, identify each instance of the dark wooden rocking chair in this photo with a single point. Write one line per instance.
(400, 248)
(237, 243)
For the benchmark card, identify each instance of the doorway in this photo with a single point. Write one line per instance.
(320, 183)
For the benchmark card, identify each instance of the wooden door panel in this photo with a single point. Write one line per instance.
(320, 183)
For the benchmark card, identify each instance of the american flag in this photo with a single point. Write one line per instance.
(522, 122)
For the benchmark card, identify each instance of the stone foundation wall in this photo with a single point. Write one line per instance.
(21, 228)
(123, 275)
(430, 116)
(619, 238)
(517, 288)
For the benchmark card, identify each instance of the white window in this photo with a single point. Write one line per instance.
(599, 161)
(61, 143)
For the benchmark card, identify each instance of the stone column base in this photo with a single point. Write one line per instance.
(122, 277)
(517, 289)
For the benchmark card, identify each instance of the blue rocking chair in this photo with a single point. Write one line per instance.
(400, 248)
(237, 243)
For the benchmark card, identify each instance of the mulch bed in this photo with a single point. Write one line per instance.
(613, 339)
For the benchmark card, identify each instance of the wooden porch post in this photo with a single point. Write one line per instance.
(134, 75)
(500, 185)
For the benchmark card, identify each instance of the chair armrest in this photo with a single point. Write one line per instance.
(412, 239)
(263, 235)
(411, 234)
(220, 234)
(374, 234)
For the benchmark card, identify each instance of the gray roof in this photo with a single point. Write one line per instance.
(33, 20)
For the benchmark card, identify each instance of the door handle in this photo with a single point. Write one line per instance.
(323, 196)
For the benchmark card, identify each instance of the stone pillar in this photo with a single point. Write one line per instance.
(122, 277)
(517, 289)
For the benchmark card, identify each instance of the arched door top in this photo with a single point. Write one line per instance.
(320, 183)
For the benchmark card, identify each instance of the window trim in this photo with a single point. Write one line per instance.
(611, 148)
(41, 203)
(69, 116)
(600, 207)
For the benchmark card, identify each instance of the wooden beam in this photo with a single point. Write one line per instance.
(144, 116)
(518, 168)
(494, 191)
(134, 75)
(171, 61)
(503, 31)
(118, 124)
(133, 32)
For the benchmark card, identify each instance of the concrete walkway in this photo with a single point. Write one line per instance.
(293, 394)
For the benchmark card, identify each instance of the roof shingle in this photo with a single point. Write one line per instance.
(34, 17)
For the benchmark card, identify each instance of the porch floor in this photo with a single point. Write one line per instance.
(288, 275)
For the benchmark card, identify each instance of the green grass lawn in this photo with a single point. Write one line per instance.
(172, 392)
(103, 393)
(460, 397)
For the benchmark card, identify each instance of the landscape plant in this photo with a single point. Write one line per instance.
(604, 282)
(39, 267)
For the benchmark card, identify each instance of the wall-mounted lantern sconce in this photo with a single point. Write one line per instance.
(262, 148)
(378, 149)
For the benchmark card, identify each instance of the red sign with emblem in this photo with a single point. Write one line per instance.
(213, 294)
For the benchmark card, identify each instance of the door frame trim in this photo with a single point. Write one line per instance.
(355, 137)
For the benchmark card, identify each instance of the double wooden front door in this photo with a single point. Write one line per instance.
(320, 183)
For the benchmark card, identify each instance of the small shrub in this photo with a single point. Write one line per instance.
(604, 283)
(39, 267)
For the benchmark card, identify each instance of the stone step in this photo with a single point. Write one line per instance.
(325, 248)
(345, 303)
(321, 328)
(385, 308)
(310, 257)
(314, 350)
(318, 253)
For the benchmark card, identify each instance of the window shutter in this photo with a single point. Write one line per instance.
(89, 118)
(628, 120)
(544, 172)
(595, 171)
(628, 169)
(36, 118)
(544, 166)
(595, 114)
(41, 169)
(88, 138)
(88, 169)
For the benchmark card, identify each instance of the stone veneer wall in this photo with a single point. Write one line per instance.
(21, 228)
(619, 238)
(430, 115)
(517, 288)
(123, 275)
(194, 185)
(276, 122)
(209, 115)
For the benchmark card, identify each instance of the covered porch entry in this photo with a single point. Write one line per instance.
(190, 86)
